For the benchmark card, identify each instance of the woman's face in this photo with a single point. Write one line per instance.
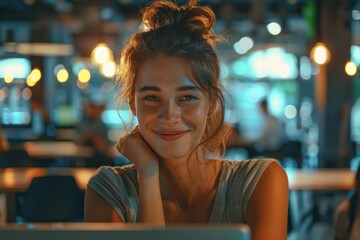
(171, 109)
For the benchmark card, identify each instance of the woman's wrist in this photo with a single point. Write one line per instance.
(150, 170)
(150, 202)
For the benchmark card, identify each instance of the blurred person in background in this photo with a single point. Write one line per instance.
(169, 75)
(92, 132)
(347, 215)
(41, 122)
(272, 135)
(4, 144)
(270, 140)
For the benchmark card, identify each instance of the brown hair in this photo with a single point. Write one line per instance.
(183, 31)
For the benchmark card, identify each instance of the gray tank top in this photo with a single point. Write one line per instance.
(118, 185)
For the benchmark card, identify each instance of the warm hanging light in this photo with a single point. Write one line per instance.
(84, 75)
(62, 75)
(101, 54)
(350, 68)
(108, 69)
(320, 54)
(9, 77)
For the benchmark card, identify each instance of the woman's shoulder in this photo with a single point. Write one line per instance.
(118, 186)
(249, 164)
(246, 172)
(114, 173)
(239, 178)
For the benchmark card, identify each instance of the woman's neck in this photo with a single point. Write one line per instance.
(185, 169)
(186, 179)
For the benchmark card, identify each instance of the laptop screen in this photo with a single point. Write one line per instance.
(114, 231)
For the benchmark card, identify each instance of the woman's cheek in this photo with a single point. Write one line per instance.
(197, 114)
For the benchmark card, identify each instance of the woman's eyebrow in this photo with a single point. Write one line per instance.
(149, 88)
(188, 88)
(182, 88)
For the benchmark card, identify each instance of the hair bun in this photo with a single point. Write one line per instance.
(190, 17)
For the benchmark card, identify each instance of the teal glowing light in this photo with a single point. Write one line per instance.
(15, 67)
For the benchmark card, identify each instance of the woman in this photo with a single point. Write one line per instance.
(169, 75)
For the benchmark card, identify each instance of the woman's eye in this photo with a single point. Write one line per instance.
(188, 98)
(151, 99)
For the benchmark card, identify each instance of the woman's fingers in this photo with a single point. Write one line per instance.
(135, 148)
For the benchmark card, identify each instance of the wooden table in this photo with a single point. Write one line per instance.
(321, 179)
(14, 180)
(54, 149)
(19, 179)
(303, 183)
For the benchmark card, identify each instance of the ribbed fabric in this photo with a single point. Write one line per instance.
(118, 185)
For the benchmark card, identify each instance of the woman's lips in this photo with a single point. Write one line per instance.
(170, 135)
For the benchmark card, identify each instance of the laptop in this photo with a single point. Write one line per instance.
(115, 231)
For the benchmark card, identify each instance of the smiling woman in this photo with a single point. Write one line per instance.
(172, 110)
(169, 75)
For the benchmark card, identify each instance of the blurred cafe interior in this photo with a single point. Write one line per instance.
(57, 66)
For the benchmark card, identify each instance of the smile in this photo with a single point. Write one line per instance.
(170, 135)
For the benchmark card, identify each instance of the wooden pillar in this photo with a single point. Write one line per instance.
(333, 87)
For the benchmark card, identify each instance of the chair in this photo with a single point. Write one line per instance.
(52, 199)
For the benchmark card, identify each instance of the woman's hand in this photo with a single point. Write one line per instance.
(134, 147)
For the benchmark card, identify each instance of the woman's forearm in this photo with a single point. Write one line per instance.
(150, 202)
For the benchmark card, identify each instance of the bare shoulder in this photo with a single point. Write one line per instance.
(273, 180)
(274, 173)
(268, 205)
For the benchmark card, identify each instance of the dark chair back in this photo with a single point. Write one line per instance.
(52, 199)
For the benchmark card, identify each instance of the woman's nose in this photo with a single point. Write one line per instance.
(170, 112)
